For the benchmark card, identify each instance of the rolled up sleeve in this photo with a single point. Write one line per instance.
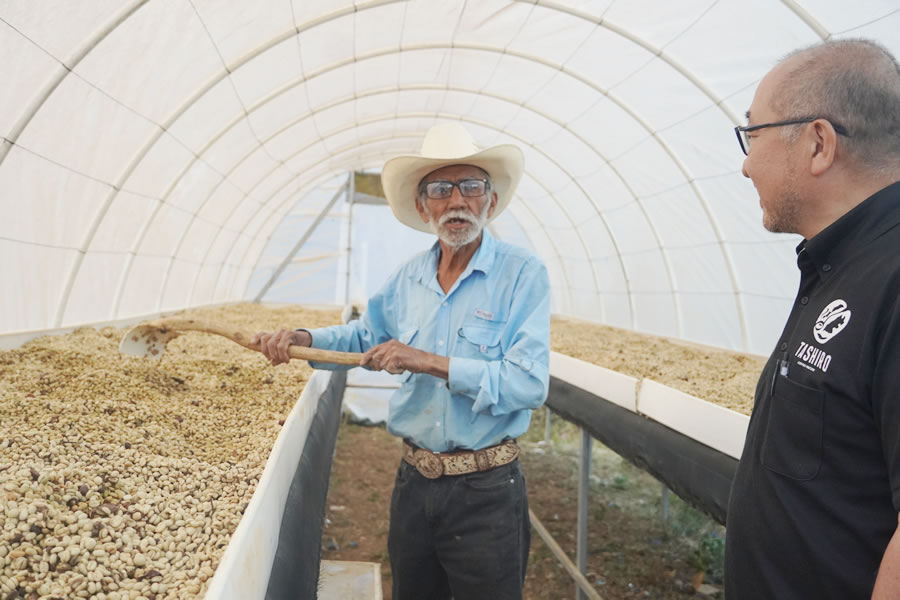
(356, 336)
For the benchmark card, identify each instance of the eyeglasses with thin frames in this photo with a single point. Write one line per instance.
(468, 188)
(744, 139)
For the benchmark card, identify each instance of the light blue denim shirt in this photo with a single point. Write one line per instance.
(494, 324)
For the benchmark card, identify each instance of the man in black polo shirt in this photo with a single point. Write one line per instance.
(814, 505)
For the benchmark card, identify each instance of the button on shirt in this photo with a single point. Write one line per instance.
(493, 324)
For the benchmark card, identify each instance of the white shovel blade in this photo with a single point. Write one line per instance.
(146, 341)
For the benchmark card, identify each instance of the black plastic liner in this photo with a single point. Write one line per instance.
(697, 473)
(295, 568)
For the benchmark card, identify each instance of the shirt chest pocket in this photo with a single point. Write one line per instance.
(480, 339)
(794, 435)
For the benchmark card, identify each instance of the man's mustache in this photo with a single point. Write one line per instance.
(458, 214)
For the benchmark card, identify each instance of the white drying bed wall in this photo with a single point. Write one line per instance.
(719, 428)
(243, 572)
(691, 445)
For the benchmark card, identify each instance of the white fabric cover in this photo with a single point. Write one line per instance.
(160, 154)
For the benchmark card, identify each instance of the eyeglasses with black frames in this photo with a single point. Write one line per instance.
(744, 139)
(468, 188)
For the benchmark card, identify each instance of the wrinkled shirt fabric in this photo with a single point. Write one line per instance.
(493, 324)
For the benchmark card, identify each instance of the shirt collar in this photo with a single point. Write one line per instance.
(482, 260)
(857, 228)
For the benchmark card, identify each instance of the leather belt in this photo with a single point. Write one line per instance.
(434, 464)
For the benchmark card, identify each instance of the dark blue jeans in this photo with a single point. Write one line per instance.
(463, 536)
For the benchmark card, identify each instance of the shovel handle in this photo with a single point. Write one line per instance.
(328, 356)
(243, 338)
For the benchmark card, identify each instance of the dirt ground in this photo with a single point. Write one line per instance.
(633, 552)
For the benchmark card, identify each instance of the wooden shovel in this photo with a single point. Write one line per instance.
(149, 340)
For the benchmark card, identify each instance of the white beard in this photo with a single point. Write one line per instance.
(458, 239)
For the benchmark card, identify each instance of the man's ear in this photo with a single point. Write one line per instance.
(421, 210)
(493, 204)
(823, 146)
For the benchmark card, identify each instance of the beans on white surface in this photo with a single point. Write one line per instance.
(124, 478)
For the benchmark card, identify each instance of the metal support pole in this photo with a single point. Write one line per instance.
(560, 554)
(351, 192)
(547, 414)
(583, 488)
(287, 259)
(665, 508)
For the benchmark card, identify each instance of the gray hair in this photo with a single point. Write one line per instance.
(852, 82)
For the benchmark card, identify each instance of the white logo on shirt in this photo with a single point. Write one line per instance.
(831, 321)
(484, 314)
(811, 358)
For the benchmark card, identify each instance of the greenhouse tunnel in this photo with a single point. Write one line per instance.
(165, 155)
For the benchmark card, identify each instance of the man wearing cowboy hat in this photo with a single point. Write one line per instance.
(467, 324)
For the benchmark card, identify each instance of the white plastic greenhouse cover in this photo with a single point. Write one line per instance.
(162, 154)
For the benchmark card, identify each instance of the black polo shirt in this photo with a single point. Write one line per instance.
(816, 495)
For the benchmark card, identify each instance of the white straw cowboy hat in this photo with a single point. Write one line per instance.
(448, 144)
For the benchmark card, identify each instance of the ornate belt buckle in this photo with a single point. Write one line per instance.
(428, 464)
